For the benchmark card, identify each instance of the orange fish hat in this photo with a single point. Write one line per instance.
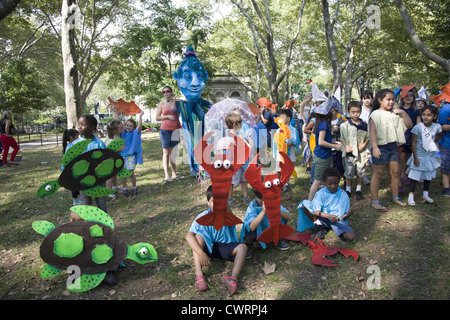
(445, 95)
(408, 88)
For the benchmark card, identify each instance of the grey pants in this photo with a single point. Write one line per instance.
(100, 201)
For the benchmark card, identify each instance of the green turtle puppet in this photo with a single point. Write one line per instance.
(87, 171)
(90, 245)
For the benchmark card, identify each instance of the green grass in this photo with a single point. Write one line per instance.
(409, 245)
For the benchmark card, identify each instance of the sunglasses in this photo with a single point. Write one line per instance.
(166, 91)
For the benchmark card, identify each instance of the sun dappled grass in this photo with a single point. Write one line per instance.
(410, 245)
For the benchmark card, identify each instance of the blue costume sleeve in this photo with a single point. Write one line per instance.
(133, 145)
(304, 222)
(295, 138)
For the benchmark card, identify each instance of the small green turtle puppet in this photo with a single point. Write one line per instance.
(90, 246)
(87, 171)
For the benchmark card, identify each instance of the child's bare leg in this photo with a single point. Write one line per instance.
(348, 236)
(244, 188)
(133, 179)
(375, 181)
(394, 167)
(314, 187)
(124, 182)
(197, 264)
(239, 254)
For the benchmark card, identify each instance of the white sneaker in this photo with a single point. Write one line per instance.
(427, 199)
(411, 202)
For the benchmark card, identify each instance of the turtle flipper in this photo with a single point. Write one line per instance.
(98, 191)
(43, 227)
(115, 144)
(124, 173)
(93, 214)
(86, 282)
(50, 271)
(74, 151)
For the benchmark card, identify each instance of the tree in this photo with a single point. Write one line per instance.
(338, 25)
(71, 88)
(7, 6)
(21, 89)
(443, 62)
(264, 47)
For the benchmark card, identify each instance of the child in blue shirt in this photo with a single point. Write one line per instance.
(293, 142)
(87, 126)
(206, 243)
(256, 221)
(329, 209)
(324, 144)
(132, 153)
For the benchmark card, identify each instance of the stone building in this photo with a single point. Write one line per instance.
(223, 87)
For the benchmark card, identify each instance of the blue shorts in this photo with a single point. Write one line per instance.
(389, 152)
(339, 227)
(445, 159)
(222, 250)
(166, 138)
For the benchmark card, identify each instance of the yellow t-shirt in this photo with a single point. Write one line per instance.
(390, 127)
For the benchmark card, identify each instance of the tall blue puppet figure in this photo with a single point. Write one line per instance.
(191, 77)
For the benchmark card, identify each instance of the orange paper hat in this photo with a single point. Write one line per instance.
(128, 108)
(253, 108)
(290, 103)
(445, 95)
(263, 102)
(406, 89)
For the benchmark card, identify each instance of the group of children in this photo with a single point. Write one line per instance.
(369, 135)
(372, 134)
(131, 151)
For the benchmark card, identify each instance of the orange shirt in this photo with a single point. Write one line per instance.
(169, 108)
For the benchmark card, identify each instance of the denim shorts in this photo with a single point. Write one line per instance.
(222, 250)
(445, 159)
(166, 138)
(339, 227)
(389, 152)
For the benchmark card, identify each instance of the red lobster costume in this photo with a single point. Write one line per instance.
(271, 190)
(221, 171)
(321, 251)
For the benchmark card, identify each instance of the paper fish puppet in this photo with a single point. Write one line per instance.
(127, 108)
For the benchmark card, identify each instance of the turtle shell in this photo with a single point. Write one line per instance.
(91, 169)
(93, 247)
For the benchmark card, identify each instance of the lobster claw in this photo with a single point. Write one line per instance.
(253, 174)
(202, 151)
(287, 167)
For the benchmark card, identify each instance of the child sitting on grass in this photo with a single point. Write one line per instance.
(256, 221)
(329, 209)
(206, 243)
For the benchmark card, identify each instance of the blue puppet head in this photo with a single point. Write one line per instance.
(191, 76)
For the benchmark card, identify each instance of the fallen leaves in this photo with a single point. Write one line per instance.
(268, 267)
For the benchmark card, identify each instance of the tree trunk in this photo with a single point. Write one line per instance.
(71, 90)
(331, 45)
(444, 63)
(7, 6)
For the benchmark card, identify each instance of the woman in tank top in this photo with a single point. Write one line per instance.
(169, 133)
